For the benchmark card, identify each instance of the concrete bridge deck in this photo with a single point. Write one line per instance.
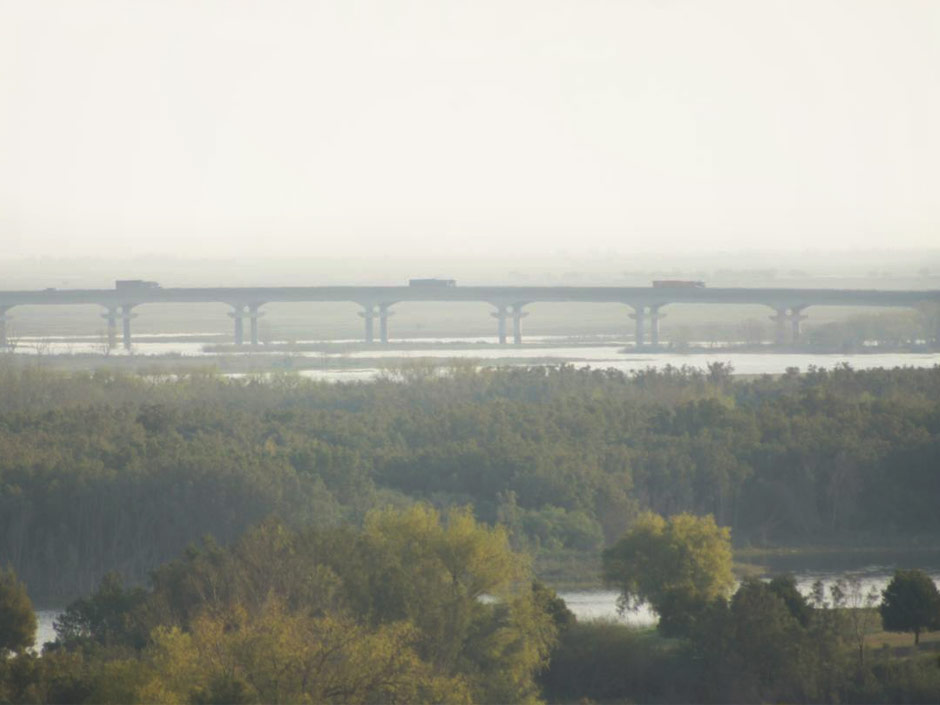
(646, 302)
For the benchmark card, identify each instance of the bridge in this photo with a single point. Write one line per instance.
(788, 305)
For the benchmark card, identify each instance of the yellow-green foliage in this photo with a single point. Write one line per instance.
(661, 560)
(17, 619)
(415, 607)
(279, 657)
(470, 597)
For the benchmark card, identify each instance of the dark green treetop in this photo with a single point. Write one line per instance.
(911, 603)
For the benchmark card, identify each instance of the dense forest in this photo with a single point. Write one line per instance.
(102, 472)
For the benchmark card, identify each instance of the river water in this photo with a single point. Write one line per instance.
(610, 357)
(335, 364)
(602, 604)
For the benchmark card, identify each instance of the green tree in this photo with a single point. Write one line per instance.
(108, 617)
(756, 649)
(17, 619)
(766, 634)
(766, 654)
(446, 594)
(911, 603)
(784, 587)
(275, 656)
(678, 566)
(437, 573)
(857, 609)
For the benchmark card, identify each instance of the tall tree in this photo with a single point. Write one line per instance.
(17, 619)
(678, 566)
(911, 603)
(437, 572)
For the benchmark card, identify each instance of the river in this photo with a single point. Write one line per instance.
(336, 364)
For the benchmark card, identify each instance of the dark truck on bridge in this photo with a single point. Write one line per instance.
(677, 284)
(432, 282)
(135, 285)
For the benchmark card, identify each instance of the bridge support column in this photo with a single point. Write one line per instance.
(111, 317)
(792, 315)
(3, 326)
(253, 316)
(368, 315)
(655, 317)
(639, 315)
(238, 315)
(384, 314)
(500, 316)
(780, 326)
(517, 316)
(795, 328)
(126, 317)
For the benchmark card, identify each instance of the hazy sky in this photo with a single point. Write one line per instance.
(226, 127)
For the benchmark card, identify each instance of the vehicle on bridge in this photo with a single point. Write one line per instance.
(677, 284)
(135, 285)
(432, 282)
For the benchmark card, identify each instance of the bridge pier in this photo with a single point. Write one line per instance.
(384, 313)
(368, 315)
(253, 316)
(238, 316)
(126, 317)
(517, 316)
(780, 326)
(111, 317)
(655, 317)
(639, 315)
(795, 328)
(500, 316)
(3, 326)
(792, 315)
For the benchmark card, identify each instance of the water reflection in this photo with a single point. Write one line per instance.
(602, 604)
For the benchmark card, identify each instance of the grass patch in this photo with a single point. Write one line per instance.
(900, 640)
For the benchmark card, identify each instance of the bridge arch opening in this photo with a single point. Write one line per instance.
(67, 328)
(579, 319)
(688, 325)
(860, 328)
(432, 321)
